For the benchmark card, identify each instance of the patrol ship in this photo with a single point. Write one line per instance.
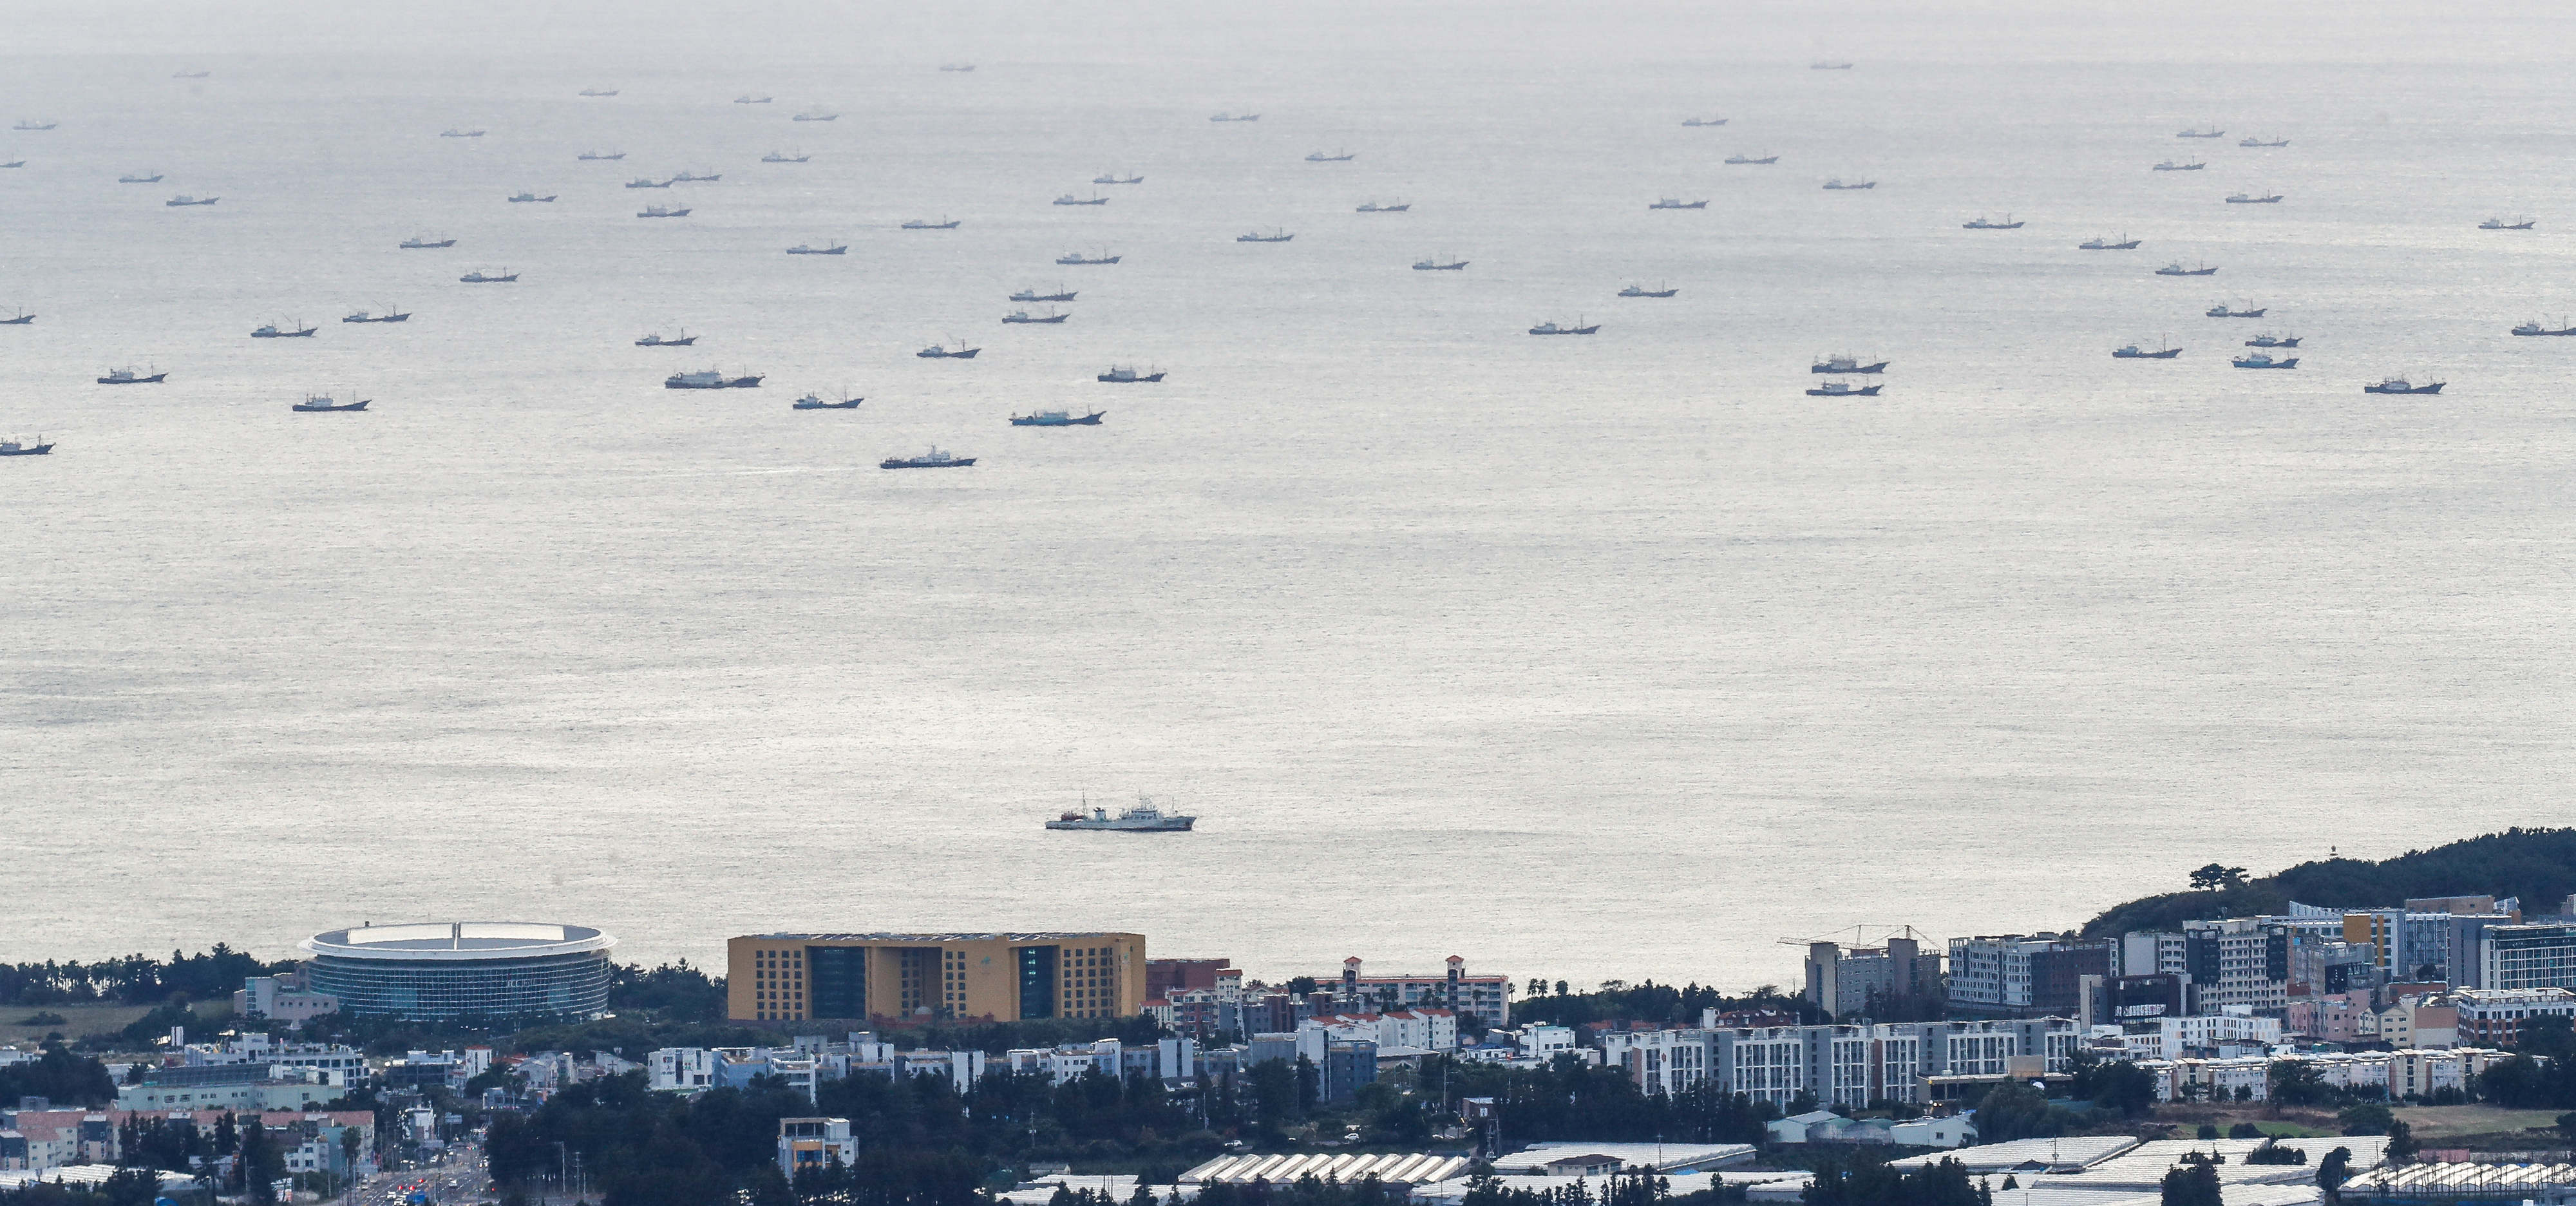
(1143, 818)
(944, 223)
(2519, 223)
(1057, 418)
(2400, 385)
(2102, 243)
(318, 402)
(2221, 311)
(2268, 340)
(1678, 203)
(1845, 389)
(1554, 328)
(934, 459)
(363, 316)
(662, 211)
(1990, 224)
(655, 340)
(273, 331)
(783, 157)
(1383, 207)
(1023, 316)
(2534, 327)
(154, 178)
(527, 196)
(2263, 360)
(184, 199)
(19, 447)
(2134, 352)
(1076, 257)
(1846, 364)
(941, 352)
(2176, 269)
(1637, 290)
(1061, 294)
(419, 241)
(1127, 375)
(127, 376)
(709, 379)
(834, 249)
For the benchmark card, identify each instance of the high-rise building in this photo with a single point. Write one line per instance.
(1871, 980)
(2015, 975)
(2527, 956)
(1000, 977)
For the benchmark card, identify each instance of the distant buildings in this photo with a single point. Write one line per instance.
(815, 1144)
(995, 976)
(1487, 997)
(1898, 977)
(2493, 1017)
(805, 1066)
(2013, 975)
(282, 998)
(1853, 1065)
(449, 970)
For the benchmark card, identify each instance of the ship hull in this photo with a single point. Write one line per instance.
(2290, 363)
(1052, 297)
(1165, 825)
(1567, 330)
(1867, 391)
(1879, 367)
(154, 379)
(386, 318)
(2277, 343)
(733, 383)
(666, 343)
(19, 321)
(281, 335)
(2568, 331)
(1460, 265)
(959, 463)
(1111, 260)
(38, 450)
(1117, 380)
(2434, 388)
(852, 404)
(1089, 420)
(968, 354)
(1648, 293)
(1035, 321)
(820, 251)
(2167, 354)
(2238, 313)
(318, 409)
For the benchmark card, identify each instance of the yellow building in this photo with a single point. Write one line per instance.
(985, 977)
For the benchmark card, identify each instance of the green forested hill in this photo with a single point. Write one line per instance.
(2538, 865)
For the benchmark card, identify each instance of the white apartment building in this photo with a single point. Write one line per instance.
(1840, 1065)
(2494, 1016)
(1429, 1029)
(2176, 1038)
(2414, 1073)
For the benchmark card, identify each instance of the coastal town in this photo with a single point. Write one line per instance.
(2281, 1055)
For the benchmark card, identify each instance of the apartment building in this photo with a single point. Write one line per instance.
(1862, 980)
(2016, 975)
(2514, 957)
(1487, 997)
(2493, 1017)
(988, 976)
(1842, 1064)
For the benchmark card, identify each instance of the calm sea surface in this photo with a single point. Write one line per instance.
(1581, 658)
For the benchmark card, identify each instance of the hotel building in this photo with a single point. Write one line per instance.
(985, 977)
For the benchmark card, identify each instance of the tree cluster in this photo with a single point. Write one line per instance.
(2534, 864)
(1863, 1178)
(1617, 1000)
(133, 979)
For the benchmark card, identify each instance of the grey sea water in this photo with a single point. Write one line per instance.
(1580, 657)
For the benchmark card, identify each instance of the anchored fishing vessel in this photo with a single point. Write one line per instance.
(1438, 264)
(1836, 185)
(130, 178)
(1678, 203)
(21, 320)
(709, 379)
(944, 223)
(2196, 132)
(1846, 364)
(1076, 257)
(960, 67)
(1833, 66)
(455, 133)
(834, 249)
(290, 331)
(1276, 235)
(687, 178)
(1126, 374)
(1031, 294)
(591, 155)
(656, 341)
(34, 125)
(1984, 223)
(2268, 340)
(1660, 290)
(662, 211)
(815, 402)
(419, 241)
(1115, 178)
(1384, 207)
(1230, 117)
(2263, 360)
(184, 199)
(2534, 327)
(364, 316)
(1697, 122)
(649, 182)
(20, 446)
(784, 157)
(1145, 817)
(1752, 159)
(1057, 418)
(2103, 243)
(1070, 199)
(529, 196)
(315, 402)
(1023, 316)
(1555, 328)
(2176, 269)
(1336, 157)
(2221, 311)
(2257, 140)
(2171, 166)
(1845, 389)
(2134, 352)
(2251, 199)
(748, 99)
(2400, 385)
(941, 352)
(816, 115)
(934, 459)
(599, 92)
(2518, 223)
(127, 376)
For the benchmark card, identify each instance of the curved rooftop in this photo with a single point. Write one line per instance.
(457, 940)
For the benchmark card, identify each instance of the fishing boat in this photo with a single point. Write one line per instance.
(2212, 132)
(1844, 389)
(1556, 328)
(2251, 199)
(1846, 365)
(2104, 243)
(1836, 185)
(655, 340)
(2400, 385)
(1678, 203)
(816, 115)
(748, 99)
(2518, 223)
(14, 163)
(1697, 122)
(687, 178)
(649, 182)
(319, 402)
(1752, 159)
(1384, 207)
(455, 133)
(934, 459)
(2534, 327)
(834, 249)
(2258, 141)
(958, 67)
(1276, 235)
(2221, 311)
(1335, 157)
(416, 242)
(2176, 269)
(709, 379)
(184, 199)
(127, 376)
(2134, 352)
(1438, 264)
(2171, 166)
(1984, 223)
(1115, 178)
(1057, 418)
(1070, 199)
(2268, 340)
(1126, 374)
(784, 157)
(479, 277)
(662, 211)
(19, 446)
(1231, 117)
(21, 320)
(815, 402)
(2263, 360)
(524, 197)
(1076, 257)
(1023, 316)
(131, 178)
(1830, 66)
(190, 75)
(1061, 294)
(392, 316)
(1660, 290)
(944, 223)
(587, 156)
(289, 331)
(941, 352)
(599, 92)
(34, 125)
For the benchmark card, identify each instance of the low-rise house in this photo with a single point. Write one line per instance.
(814, 1143)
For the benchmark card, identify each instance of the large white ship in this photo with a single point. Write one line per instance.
(1143, 818)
